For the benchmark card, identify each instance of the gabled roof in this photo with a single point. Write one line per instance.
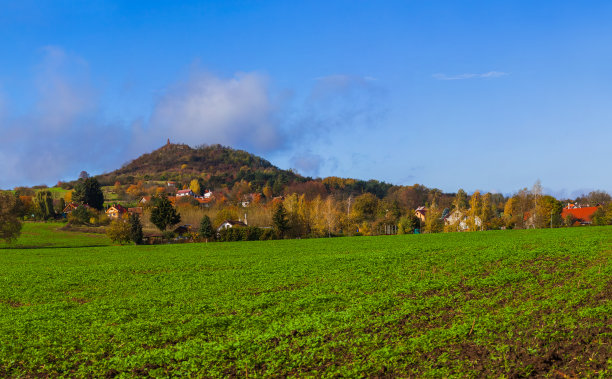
(584, 214)
(118, 207)
(184, 191)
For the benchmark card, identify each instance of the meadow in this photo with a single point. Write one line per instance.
(496, 304)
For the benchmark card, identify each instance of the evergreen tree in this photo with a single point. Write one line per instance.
(279, 218)
(206, 229)
(89, 192)
(163, 213)
(135, 229)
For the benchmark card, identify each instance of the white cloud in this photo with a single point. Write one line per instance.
(486, 75)
(237, 111)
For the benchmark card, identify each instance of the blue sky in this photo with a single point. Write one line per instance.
(476, 95)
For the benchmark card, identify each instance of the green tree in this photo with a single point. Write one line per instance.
(163, 213)
(206, 229)
(119, 231)
(88, 191)
(279, 218)
(135, 229)
(80, 216)
(10, 226)
(364, 208)
(599, 217)
(407, 224)
(44, 204)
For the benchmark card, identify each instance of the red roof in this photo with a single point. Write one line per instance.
(184, 191)
(582, 214)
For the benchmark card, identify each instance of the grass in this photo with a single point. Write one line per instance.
(35, 235)
(505, 303)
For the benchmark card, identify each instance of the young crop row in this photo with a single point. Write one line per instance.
(504, 303)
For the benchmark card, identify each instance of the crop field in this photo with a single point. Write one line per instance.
(495, 304)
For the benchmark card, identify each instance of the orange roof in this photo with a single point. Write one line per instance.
(584, 214)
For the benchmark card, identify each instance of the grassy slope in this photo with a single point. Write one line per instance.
(492, 303)
(46, 235)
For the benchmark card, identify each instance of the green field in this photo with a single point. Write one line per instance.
(497, 304)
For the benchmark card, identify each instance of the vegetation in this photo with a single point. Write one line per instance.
(88, 191)
(163, 213)
(206, 230)
(119, 231)
(136, 234)
(10, 226)
(496, 304)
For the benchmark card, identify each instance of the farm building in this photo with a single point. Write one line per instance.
(582, 215)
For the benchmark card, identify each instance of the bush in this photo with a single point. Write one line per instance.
(81, 216)
(119, 231)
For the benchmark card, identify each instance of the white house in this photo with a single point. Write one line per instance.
(185, 192)
(460, 219)
(230, 224)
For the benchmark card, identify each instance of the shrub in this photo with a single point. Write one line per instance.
(119, 231)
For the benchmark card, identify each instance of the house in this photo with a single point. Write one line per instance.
(135, 210)
(185, 192)
(208, 194)
(420, 213)
(230, 224)
(204, 201)
(460, 219)
(116, 211)
(145, 199)
(70, 207)
(582, 215)
(182, 230)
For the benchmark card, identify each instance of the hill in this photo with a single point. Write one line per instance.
(214, 165)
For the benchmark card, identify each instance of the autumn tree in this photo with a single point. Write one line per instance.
(10, 226)
(163, 213)
(461, 202)
(474, 221)
(119, 231)
(194, 186)
(364, 208)
(433, 221)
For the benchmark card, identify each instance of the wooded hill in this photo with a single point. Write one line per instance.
(217, 167)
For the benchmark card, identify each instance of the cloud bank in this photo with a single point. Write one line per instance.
(486, 75)
(236, 111)
(64, 131)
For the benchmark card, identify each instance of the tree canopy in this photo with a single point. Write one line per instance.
(88, 191)
(163, 213)
(10, 226)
